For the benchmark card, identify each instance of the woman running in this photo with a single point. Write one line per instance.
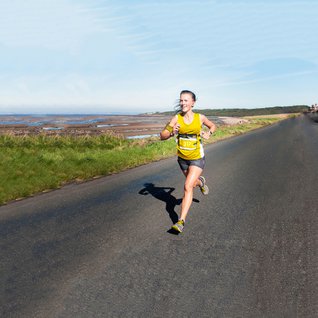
(187, 126)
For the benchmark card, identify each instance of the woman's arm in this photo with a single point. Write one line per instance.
(212, 127)
(171, 129)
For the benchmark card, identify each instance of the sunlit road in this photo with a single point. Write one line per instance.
(102, 249)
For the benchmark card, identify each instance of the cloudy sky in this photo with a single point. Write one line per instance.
(100, 56)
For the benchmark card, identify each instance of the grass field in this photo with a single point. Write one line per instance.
(33, 164)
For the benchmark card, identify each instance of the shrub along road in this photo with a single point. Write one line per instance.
(102, 248)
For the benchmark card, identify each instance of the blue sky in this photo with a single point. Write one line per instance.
(100, 56)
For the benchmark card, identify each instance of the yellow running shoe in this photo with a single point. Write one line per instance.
(204, 188)
(178, 227)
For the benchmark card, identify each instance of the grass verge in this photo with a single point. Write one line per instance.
(33, 164)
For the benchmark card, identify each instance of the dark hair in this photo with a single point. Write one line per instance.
(177, 107)
(189, 92)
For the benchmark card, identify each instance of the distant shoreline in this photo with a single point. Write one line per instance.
(128, 126)
(68, 115)
(82, 124)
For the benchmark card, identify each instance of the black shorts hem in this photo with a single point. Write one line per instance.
(185, 164)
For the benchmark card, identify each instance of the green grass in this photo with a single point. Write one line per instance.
(33, 164)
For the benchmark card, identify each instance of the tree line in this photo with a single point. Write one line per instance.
(240, 112)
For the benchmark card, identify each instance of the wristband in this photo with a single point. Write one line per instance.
(169, 128)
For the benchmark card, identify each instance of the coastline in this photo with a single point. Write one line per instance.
(127, 126)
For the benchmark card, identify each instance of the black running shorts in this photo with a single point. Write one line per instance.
(185, 164)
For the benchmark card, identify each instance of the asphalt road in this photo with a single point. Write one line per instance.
(103, 249)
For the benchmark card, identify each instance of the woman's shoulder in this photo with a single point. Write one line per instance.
(174, 119)
(202, 117)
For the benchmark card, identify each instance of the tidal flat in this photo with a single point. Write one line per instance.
(128, 126)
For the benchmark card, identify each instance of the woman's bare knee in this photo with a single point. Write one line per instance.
(188, 186)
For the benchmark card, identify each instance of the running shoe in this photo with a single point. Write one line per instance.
(204, 188)
(178, 227)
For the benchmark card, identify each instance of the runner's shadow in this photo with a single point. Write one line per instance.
(163, 194)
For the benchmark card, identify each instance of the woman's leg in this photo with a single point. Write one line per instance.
(192, 175)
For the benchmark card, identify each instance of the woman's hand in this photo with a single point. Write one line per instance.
(170, 130)
(176, 128)
(206, 134)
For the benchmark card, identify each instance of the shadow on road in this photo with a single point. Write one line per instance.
(163, 194)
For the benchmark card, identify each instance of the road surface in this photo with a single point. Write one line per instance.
(103, 249)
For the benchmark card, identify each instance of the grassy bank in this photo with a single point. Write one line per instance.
(33, 164)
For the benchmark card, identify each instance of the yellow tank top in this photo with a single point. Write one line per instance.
(189, 145)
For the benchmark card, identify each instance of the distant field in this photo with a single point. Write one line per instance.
(281, 116)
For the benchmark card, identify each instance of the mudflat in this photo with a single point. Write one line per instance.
(125, 125)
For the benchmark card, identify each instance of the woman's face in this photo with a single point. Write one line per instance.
(186, 102)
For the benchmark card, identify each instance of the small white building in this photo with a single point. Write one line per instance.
(314, 108)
